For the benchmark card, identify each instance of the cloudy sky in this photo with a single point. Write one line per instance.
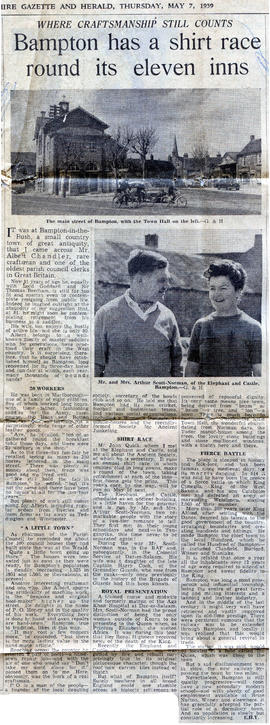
(222, 119)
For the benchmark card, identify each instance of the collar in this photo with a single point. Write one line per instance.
(135, 307)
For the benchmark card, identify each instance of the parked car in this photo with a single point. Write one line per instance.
(203, 181)
(18, 186)
(180, 183)
(227, 184)
(194, 183)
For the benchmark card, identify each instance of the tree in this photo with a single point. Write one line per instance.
(144, 141)
(117, 147)
(200, 154)
(75, 155)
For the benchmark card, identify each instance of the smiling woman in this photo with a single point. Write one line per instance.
(226, 343)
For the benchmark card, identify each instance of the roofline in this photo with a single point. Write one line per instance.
(91, 115)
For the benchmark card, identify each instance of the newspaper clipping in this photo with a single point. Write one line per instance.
(134, 352)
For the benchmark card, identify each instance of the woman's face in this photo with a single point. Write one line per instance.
(223, 295)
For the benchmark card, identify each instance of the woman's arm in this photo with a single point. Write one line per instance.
(257, 370)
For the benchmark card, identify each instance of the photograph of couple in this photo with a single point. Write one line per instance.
(163, 326)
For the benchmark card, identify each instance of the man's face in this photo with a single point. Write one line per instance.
(152, 287)
(222, 294)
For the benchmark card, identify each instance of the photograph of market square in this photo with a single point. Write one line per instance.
(187, 152)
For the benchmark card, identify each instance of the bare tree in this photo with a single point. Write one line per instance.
(144, 141)
(75, 155)
(117, 147)
(200, 154)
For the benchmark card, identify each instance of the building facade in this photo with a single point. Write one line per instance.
(186, 166)
(227, 165)
(249, 160)
(71, 148)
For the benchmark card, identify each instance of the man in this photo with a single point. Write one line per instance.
(135, 334)
(124, 189)
(140, 192)
(171, 190)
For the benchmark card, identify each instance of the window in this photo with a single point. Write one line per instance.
(92, 145)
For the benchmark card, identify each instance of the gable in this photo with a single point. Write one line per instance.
(253, 147)
(79, 117)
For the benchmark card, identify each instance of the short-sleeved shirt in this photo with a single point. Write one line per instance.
(225, 346)
(130, 345)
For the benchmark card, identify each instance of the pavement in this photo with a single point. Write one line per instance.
(200, 201)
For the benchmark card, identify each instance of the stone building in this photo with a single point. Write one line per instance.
(227, 165)
(71, 147)
(249, 160)
(186, 166)
(154, 168)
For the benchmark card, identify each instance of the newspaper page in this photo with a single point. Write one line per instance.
(134, 405)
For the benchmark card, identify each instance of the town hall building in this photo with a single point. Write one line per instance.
(71, 150)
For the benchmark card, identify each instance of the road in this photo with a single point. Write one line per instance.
(199, 201)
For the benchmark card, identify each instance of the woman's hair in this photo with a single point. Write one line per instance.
(227, 268)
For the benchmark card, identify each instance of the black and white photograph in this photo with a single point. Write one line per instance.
(171, 305)
(136, 152)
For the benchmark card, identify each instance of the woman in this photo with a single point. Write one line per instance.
(226, 343)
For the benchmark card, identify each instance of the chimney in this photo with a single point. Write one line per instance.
(185, 156)
(151, 240)
(252, 138)
(43, 114)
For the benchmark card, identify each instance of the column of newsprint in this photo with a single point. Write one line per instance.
(134, 548)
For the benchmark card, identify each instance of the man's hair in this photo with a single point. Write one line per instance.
(145, 262)
(227, 268)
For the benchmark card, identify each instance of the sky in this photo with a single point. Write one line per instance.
(222, 119)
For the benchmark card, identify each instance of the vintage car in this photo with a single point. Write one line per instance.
(228, 184)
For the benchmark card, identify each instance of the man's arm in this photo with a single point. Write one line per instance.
(100, 345)
(176, 353)
(193, 356)
(99, 371)
(192, 369)
(256, 351)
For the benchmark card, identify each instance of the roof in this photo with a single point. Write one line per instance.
(59, 121)
(228, 157)
(186, 270)
(252, 147)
